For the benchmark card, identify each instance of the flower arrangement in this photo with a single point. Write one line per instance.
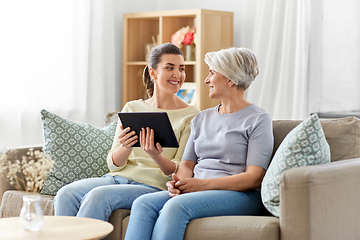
(185, 35)
(29, 173)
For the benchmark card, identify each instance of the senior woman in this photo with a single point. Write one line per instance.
(224, 161)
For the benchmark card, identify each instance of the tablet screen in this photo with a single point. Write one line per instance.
(158, 121)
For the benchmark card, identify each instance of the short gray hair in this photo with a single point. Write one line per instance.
(237, 64)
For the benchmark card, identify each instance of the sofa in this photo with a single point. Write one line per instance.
(319, 202)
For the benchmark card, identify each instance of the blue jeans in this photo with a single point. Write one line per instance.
(157, 216)
(98, 197)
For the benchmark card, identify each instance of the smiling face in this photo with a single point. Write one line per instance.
(169, 75)
(218, 84)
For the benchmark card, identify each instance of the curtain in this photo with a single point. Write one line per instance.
(281, 40)
(58, 55)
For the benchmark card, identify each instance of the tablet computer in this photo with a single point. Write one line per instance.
(158, 121)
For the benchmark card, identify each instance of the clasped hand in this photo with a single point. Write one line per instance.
(178, 186)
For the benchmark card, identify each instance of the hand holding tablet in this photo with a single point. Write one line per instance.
(158, 121)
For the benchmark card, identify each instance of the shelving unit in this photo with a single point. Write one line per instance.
(214, 31)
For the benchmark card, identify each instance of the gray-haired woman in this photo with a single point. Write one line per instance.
(224, 161)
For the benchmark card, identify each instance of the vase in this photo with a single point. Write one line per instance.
(190, 52)
(31, 214)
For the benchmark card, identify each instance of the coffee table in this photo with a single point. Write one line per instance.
(57, 227)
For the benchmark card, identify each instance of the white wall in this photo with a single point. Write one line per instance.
(335, 44)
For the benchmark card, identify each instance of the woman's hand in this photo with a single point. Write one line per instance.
(177, 186)
(147, 143)
(191, 185)
(126, 138)
(171, 186)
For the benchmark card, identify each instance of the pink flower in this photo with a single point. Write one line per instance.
(189, 38)
(177, 38)
(184, 35)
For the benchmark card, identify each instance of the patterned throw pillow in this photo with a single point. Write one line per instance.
(78, 149)
(303, 146)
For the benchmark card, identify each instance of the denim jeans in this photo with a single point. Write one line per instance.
(157, 216)
(98, 197)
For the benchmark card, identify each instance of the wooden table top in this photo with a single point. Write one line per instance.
(57, 227)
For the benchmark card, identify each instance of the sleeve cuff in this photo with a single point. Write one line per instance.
(112, 166)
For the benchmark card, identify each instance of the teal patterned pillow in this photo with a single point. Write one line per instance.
(303, 146)
(78, 149)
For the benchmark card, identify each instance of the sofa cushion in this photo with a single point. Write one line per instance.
(119, 218)
(78, 149)
(228, 228)
(233, 227)
(343, 135)
(305, 145)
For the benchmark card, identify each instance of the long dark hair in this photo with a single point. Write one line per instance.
(154, 59)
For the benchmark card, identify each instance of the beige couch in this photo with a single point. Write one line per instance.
(317, 202)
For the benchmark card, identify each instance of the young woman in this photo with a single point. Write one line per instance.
(137, 171)
(224, 161)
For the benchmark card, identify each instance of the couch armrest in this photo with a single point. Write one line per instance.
(4, 183)
(321, 202)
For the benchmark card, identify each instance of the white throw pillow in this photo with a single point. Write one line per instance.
(303, 146)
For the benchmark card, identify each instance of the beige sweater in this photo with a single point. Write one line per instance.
(140, 167)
